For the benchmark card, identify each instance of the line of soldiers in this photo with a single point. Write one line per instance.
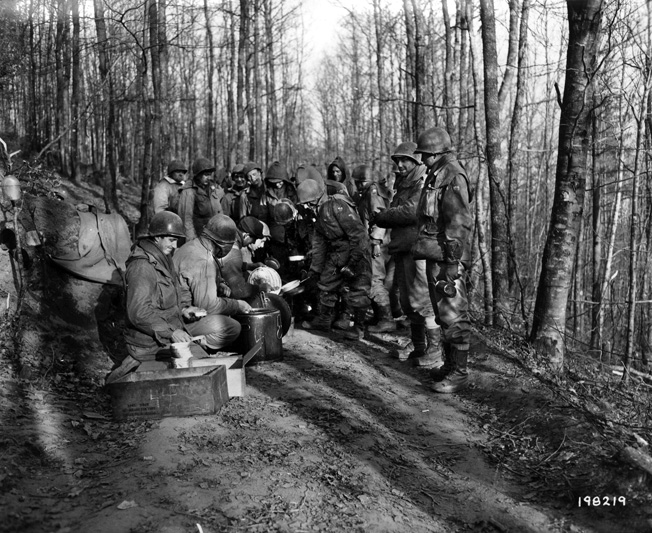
(351, 233)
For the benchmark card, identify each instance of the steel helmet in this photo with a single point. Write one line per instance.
(176, 166)
(434, 141)
(309, 191)
(220, 229)
(265, 275)
(407, 149)
(250, 165)
(164, 224)
(282, 213)
(200, 165)
(364, 174)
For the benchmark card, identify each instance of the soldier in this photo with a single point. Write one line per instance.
(201, 198)
(238, 184)
(201, 284)
(157, 313)
(371, 198)
(251, 201)
(165, 196)
(337, 171)
(410, 274)
(444, 240)
(341, 262)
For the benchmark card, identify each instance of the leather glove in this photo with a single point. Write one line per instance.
(347, 272)
(223, 290)
(448, 273)
(375, 249)
(179, 335)
(453, 251)
(311, 279)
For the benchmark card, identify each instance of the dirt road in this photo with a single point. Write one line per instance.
(339, 436)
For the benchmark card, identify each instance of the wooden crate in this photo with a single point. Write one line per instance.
(172, 392)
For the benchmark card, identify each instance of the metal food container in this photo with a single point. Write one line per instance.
(260, 324)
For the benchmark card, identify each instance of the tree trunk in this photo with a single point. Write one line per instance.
(512, 52)
(480, 194)
(548, 329)
(448, 67)
(495, 166)
(210, 74)
(75, 101)
(110, 178)
(243, 76)
(515, 146)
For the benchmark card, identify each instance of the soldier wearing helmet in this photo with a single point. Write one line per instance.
(341, 257)
(165, 195)
(410, 274)
(200, 198)
(156, 313)
(445, 225)
(201, 284)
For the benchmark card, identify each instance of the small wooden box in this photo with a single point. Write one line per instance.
(174, 392)
(235, 368)
(235, 372)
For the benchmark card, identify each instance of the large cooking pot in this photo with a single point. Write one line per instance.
(261, 324)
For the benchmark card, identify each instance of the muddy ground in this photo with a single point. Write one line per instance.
(338, 436)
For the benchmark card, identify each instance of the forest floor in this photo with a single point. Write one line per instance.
(338, 436)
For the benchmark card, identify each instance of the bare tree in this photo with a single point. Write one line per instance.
(548, 329)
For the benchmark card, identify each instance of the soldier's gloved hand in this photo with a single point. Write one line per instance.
(244, 306)
(179, 335)
(254, 266)
(448, 273)
(311, 279)
(453, 251)
(375, 249)
(347, 272)
(192, 313)
(223, 290)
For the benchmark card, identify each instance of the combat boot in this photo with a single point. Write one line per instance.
(458, 378)
(344, 321)
(432, 358)
(322, 321)
(419, 345)
(439, 374)
(129, 364)
(386, 322)
(356, 331)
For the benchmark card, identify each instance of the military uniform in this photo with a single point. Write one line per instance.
(445, 230)
(340, 240)
(197, 205)
(371, 201)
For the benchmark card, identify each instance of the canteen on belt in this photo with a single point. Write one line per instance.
(261, 324)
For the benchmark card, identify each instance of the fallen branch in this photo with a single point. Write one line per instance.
(637, 458)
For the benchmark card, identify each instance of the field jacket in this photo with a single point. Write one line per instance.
(153, 300)
(445, 219)
(401, 216)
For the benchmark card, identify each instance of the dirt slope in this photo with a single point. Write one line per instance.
(337, 437)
